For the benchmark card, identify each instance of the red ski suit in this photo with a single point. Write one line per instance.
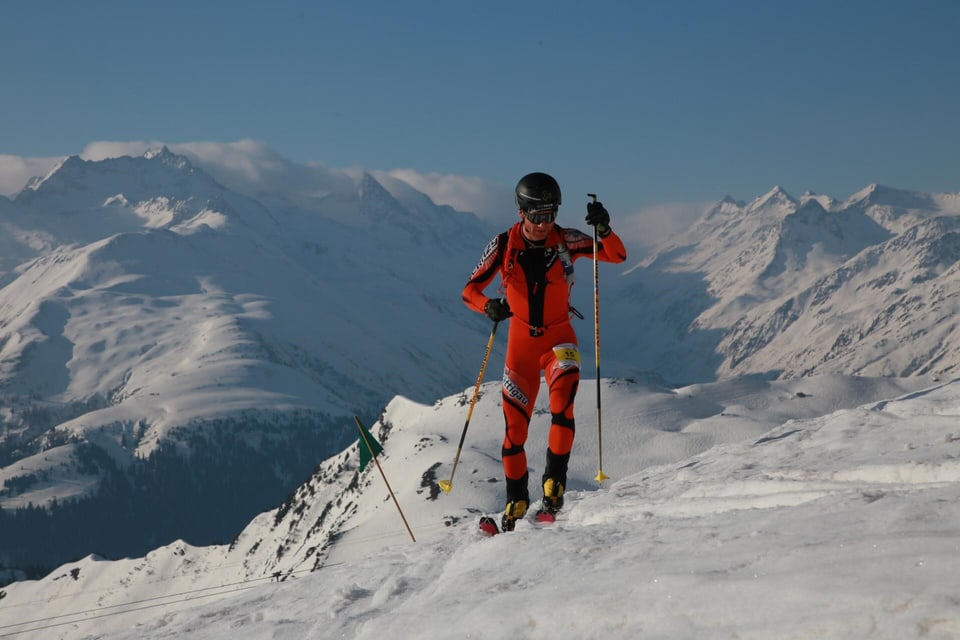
(541, 337)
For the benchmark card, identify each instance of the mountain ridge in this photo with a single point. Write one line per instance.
(149, 309)
(741, 265)
(161, 302)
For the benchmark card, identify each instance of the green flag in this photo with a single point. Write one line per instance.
(369, 447)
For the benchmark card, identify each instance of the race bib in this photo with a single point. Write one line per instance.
(567, 355)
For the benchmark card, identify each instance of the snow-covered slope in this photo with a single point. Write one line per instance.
(163, 334)
(736, 509)
(152, 318)
(149, 303)
(890, 310)
(784, 287)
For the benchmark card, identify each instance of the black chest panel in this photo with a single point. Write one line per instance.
(535, 262)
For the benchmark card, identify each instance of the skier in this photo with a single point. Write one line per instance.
(535, 261)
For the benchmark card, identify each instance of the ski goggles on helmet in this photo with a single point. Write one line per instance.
(543, 215)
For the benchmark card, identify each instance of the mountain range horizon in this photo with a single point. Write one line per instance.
(150, 315)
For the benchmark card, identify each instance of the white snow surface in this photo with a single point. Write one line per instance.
(824, 507)
(139, 294)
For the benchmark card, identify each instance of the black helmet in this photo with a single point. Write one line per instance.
(537, 191)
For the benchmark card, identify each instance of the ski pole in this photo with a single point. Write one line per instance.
(369, 442)
(601, 476)
(447, 485)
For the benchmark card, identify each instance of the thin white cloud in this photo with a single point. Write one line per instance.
(252, 167)
(247, 166)
(16, 171)
(641, 230)
(105, 149)
(249, 163)
(489, 201)
(646, 228)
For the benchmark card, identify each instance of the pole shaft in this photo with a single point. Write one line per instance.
(596, 339)
(447, 485)
(376, 460)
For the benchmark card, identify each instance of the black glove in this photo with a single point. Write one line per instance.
(599, 217)
(497, 309)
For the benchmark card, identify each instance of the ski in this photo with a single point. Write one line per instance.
(488, 526)
(545, 517)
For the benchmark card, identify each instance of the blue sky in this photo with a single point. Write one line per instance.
(646, 103)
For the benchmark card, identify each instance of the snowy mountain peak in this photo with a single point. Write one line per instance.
(743, 284)
(165, 156)
(776, 198)
(77, 185)
(825, 201)
(899, 209)
(371, 191)
(865, 194)
(811, 205)
(145, 305)
(880, 195)
(68, 164)
(725, 208)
